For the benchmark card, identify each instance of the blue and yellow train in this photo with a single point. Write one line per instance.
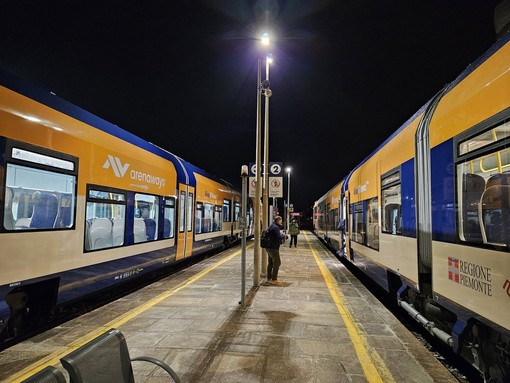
(427, 214)
(85, 206)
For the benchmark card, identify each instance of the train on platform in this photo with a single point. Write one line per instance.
(427, 214)
(86, 206)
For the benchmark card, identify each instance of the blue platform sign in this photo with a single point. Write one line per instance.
(275, 169)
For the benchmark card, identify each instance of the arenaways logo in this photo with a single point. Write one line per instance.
(136, 175)
(116, 165)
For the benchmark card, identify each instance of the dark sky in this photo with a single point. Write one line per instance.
(182, 73)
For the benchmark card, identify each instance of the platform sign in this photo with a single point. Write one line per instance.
(276, 187)
(252, 179)
(276, 169)
(252, 169)
(251, 186)
(275, 179)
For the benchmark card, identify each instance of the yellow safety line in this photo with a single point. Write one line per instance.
(54, 358)
(373, 366)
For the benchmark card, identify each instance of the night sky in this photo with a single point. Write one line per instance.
(182, 73)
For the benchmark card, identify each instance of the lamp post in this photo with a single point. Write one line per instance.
(258, 186)
(258, 183)
(265, 197)
(243, 225)
(288, 197)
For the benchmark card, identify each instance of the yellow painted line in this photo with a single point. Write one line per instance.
(373, 366)
(54, 358)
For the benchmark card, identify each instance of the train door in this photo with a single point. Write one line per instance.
(348, 230)
(185, 221)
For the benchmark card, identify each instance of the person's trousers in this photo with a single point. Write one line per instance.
(293, 240)
(273, 263)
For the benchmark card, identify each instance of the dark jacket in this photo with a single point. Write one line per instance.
(276, 236)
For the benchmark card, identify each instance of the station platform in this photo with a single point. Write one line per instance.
(321, 325)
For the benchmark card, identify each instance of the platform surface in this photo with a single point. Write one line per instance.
(321, 325)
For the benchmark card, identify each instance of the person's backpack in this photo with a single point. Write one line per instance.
(265, 239)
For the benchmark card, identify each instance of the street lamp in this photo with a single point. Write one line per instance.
(265, 38)
(288, 196)
(266, 91)
(258, 183)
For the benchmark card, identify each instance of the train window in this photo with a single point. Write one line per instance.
(390, 178)
(327, 218)
(237, 211)
(145, 224)
(105, 218)
(332, 218)
(199, 212)
(320, 217)
(226, 210)
(483, 188)
(169, 218)
(358, 226)
(207, 222)
(373, 224)
(190, 212)
(182, 210)
(496, 134)
(391, 209)
(38, 199)
(217, 223)
(208, 218)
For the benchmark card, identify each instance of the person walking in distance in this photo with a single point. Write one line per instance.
(273, 251)
(293, 232)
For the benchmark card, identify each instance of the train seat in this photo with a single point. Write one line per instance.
(139, 233)
(64, 216)
(101, 233)
(166, 228)
(88, 223)
(8, 217)
(499, 179)
(473, 185)
(118, 232)
(45, 210)
(495, 212)
(150, 228)
(22, 223)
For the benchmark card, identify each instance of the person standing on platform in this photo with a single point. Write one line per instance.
(273, 251)
(293, 232)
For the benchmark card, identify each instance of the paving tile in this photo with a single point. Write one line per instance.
(288, 333)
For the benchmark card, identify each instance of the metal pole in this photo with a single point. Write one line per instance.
(258, 184)
(244, 175)
(285, 207)
(288, 200)
(265, 201)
